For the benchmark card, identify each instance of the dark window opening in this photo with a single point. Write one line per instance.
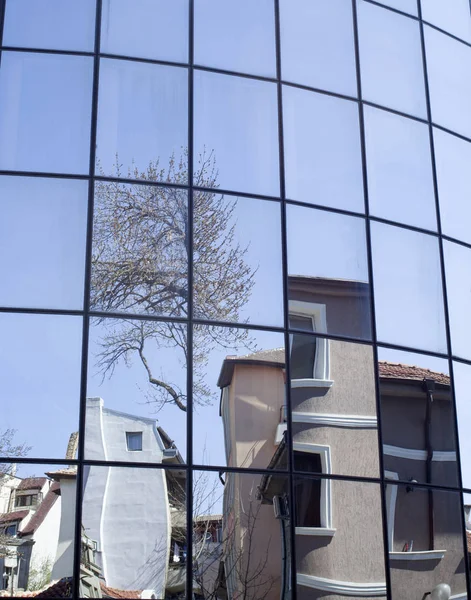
(308, 491)
(134, 441)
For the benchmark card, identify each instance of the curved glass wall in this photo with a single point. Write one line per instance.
(235, 259)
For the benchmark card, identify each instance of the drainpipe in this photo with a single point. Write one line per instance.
(429, 387)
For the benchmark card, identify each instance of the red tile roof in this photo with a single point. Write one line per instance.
(62, 473)
(60, 589)
(389, 370)
(468, 539)
(41, 513)
(123, 594)
(32, 483)
(14, 516)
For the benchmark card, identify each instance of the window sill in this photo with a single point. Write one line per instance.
(312, 383)
(424, 555)
(317, 531)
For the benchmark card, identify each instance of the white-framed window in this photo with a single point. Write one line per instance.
(11, 530)
(26, 500)
(309, 355)
(313, 495)
(134, 441)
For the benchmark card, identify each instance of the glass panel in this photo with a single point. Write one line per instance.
(452, 159)
(332, 409)
(236, 36)
(328, 272)
(237, 271)
(458, 283)
(328, 556)
(408, 288)
(146, 28)
(140, 256)
(40, 362)
(425, 542)
(42, 242)
(454, 16)
(322, 150)
(241, 540)
(37, 510)
(136, 385)
(236, 130)
(134, 532)
(400, 179)
(142, 121)
(448, 67)
(391, 59)
(418, 418)
(50, 24)
(408, 6)
(317, 44)
(462, 381)
(238, 396)
(45, 108)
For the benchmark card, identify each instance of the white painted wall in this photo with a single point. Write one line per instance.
(63, 565)
(126, 510)
(7, 484)
(46, 539)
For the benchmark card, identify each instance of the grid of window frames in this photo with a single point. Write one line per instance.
(236, 266)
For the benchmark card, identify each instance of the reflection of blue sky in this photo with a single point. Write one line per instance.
(238, 35)
(49, 216)
(50, 24)
(45, 108)
(146, 29)
(408, 288)
(323, 29)
(40, 357)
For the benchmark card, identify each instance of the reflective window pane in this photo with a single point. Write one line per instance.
(50, 24)
(322, 150)
(237, 272)
(425, 541)
(400, 179)
(452, 159)
(238, 396)
(332, 410)
(45, 107)
(136, 394)
(142, 121)
(453, 16)
(418, 418)
(42, 242)
(242, 543)
(37, 511)
(236, 127)
(448, 68)
(408, 288)
(317, 44)
(407, 6)
(236, 36)
(327, 271)
(146, 28)
(391, 59)
(458, 284)
(134, 525)
(327, 556)
(462, 381)
(40, 361)
(140, 256)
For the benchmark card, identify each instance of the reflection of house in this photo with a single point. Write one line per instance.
(133, 519)
(417, 418)
(29, 525)
(334, 427)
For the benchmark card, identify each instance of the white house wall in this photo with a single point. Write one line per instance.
(63, 565)
(46, 539)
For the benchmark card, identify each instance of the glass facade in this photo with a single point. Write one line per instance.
(235, 259)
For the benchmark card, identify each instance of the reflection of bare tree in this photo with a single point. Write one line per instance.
(141, 251)
(9, 449)
(234, 564)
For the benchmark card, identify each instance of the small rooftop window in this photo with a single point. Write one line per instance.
(134, 440)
